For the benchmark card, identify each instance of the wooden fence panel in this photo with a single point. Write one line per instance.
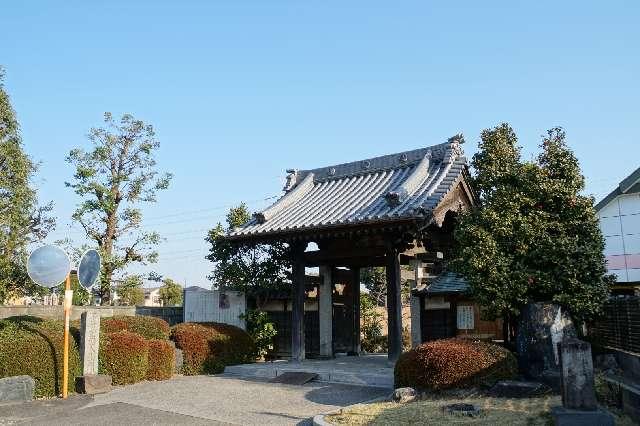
(619, 327)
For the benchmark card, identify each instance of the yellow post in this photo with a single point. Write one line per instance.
(68, 300)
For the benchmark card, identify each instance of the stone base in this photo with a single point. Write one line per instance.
(16, 389)
(92, 384)
(566, 417)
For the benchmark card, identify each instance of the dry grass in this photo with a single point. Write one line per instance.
(502, 411)
(428, 411)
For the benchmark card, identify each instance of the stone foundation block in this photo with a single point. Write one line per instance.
(566, 417)
(93, 383)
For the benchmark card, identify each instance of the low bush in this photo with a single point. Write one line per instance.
(161, 355)
(209, 347)
(124, 356)
(34, 347)
(449, 363)
(147, 327)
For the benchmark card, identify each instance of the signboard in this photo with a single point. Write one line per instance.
(465, 317)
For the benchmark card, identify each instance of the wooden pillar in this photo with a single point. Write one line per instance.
(416, 311)
(297, 298)
(325, 312)
(355, 297)
(394, 305)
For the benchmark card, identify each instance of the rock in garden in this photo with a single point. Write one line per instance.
(16, 389)
(517, 389)
(542, 327)
(93, 384)
(404, 395)
(461, 409)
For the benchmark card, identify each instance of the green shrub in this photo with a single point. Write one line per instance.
(261, 330)
(34, 347)
(147, 327)
(161, 355)
(452, 363)
(124, 356)
(209, 347)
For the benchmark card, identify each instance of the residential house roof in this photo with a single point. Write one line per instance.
(629, 185)
(403, 186)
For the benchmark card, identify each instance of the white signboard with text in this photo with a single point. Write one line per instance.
(465, 317)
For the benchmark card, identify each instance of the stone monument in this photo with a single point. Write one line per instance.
(542, 327)
(579, 404)
(91, 382)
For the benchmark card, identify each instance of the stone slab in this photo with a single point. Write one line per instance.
(298, 378)
(89, 341)
(16, 389)
(566, 417)
(93, 384)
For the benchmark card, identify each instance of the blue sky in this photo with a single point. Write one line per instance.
(238, 91)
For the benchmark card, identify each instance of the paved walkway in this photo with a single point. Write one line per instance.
(211, 400)
(367, 370)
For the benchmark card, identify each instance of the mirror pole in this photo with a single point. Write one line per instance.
(68, 300)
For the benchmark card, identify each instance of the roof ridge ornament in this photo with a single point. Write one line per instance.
(291, 197)
(413, 182)
(292, 179)
(455, 149)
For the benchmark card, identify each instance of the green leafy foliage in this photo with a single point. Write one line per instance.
(372, 340)
(22, 221)
(124, 356)
(258, 270)
(161, 359)
(148, 327)
(81, 295)
(533, 236)
(171, 293)
(34, 347)
(130, 291)
(113, 178)
(449, 363)
(261, 330)
(209, 347)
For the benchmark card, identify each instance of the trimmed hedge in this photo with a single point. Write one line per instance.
(124, 356)
(34, 347)
(456, 362)
(209, 347)
(147, 327)
(161, 361)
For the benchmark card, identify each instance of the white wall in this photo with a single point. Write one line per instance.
(201, 305)
(620, 224)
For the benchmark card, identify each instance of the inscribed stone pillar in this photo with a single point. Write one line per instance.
(89, 341)
(325, 312)
(577, 375)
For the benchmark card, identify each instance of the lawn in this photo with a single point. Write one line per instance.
(502, 411)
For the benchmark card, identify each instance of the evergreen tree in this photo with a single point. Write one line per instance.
(22, 221)
(533, 236)
(256, 269)
(171, 293)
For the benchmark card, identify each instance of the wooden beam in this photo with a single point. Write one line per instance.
(355, 282)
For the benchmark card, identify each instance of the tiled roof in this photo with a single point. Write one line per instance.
(448, 282)
(405, 185)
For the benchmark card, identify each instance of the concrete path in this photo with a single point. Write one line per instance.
(211, 400)
(366, 370)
